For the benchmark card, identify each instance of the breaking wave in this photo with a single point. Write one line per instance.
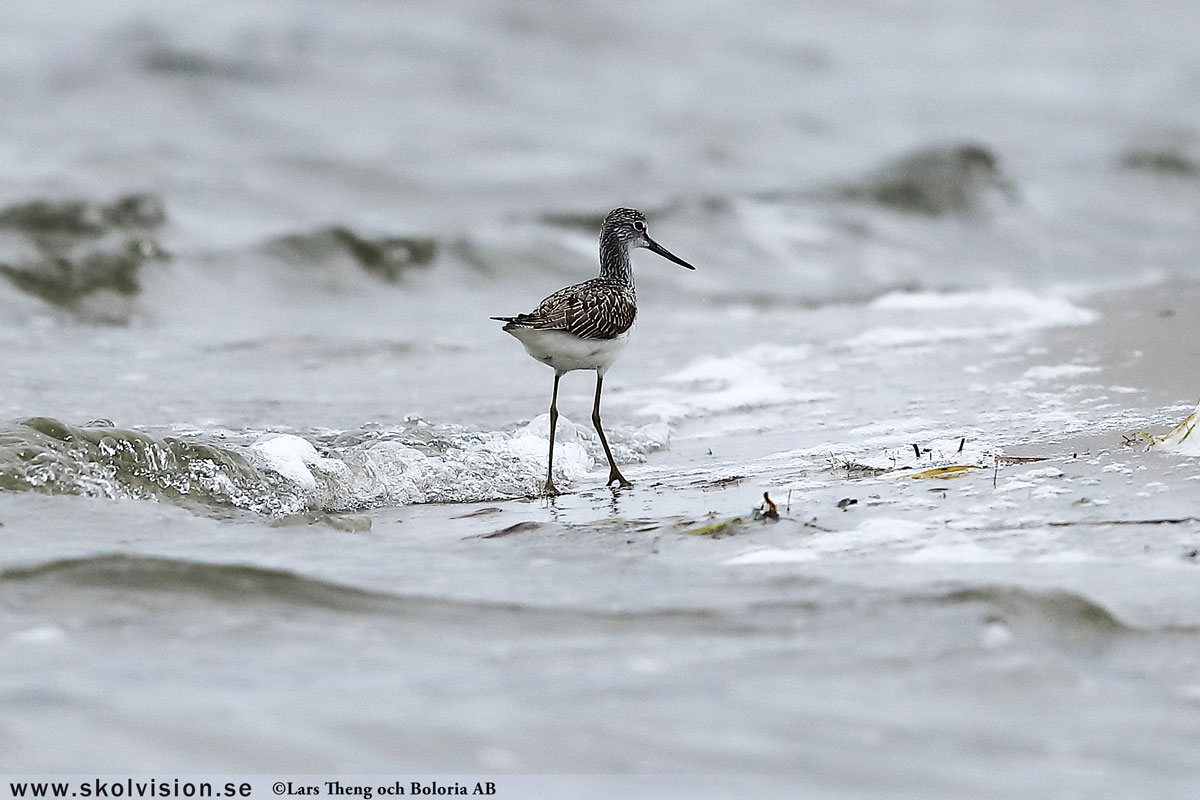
(282, 474)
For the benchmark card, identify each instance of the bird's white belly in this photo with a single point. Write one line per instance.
(565, 351)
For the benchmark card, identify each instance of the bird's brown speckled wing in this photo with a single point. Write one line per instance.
(595, 309)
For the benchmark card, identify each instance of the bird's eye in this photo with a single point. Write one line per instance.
(639, 225)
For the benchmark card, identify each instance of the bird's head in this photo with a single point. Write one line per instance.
(628, 226)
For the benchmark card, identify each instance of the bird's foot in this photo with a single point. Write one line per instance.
(550, 490)
(615, 476)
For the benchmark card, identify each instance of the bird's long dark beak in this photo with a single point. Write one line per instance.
(655, 247)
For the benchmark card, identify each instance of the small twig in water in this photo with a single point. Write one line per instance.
(1083, 523)
(519, 527)
(1163, 521)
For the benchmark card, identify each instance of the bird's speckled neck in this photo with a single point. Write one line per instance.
(614, 258)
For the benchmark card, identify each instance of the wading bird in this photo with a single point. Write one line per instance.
(585, 326)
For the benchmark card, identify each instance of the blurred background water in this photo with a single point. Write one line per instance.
(267, 469)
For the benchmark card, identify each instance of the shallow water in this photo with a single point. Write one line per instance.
(267, 469)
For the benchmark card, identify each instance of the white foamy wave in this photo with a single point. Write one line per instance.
(293, 458)
(1047, 372)
(933, 318)
(772, 555)
(750, 379)
(464, 467)
(282, 474)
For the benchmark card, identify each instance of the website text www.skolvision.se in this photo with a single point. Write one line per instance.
(128, 788)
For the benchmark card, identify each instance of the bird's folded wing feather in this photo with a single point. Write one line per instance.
(588, 310)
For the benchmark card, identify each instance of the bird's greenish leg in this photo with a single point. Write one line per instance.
(550, 490)
(614, 474)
